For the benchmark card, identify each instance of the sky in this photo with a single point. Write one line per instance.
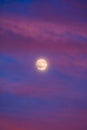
(55, 99)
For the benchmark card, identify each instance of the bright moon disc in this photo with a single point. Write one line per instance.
(41, 64)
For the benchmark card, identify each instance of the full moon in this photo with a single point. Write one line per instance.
(41, 64)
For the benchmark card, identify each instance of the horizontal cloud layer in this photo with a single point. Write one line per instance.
(57, 98)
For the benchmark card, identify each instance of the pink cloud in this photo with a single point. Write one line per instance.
(30, 45)
(63, 57)
(34, 36)
(70, 64)
(45, 90)
(67, 120)
(40, 30)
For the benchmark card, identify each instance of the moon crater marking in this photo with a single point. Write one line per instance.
(41, 64)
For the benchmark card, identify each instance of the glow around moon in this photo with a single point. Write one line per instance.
(41, 64)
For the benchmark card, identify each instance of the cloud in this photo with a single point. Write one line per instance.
(35, 37)
(43, 35)
(68, 120)
(77, 3)
(45, 90)
(41, 30)
(56, 99)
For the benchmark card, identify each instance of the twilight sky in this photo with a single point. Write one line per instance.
(57, 98)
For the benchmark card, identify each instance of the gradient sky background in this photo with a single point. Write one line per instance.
(57, 98)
